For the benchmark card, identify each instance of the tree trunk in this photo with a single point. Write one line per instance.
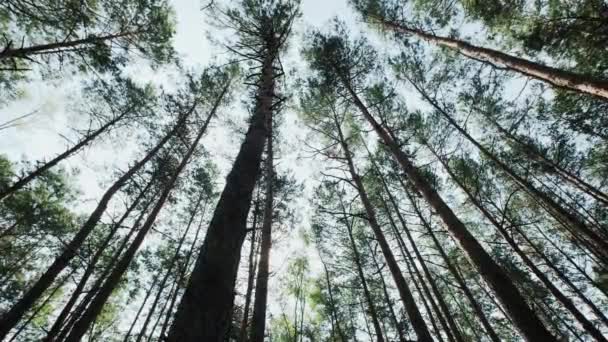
(204, 311)
(250, 277)
(589, 238)
(40, 170)
(88, 317)
(566, 302)
(10, 318)
(371, 309)
(24, 52)
(554, 76)
(141, 308)
(525, 319)
(332, 301)
(406, 296)
(60, 320)
(258, 320)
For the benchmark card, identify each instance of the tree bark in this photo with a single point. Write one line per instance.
(258, 320)
(10, 318)
(524, 317)
(557, 77)
(250, 277)
(204, 311)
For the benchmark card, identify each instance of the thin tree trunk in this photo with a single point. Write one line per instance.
(182, 274)
(557, 77)
(10, 318)
(589, 238)
(60, 320)
(391, 309)
(332, 301)
(204, 311)
(87, 318)
(24, 52)
(566, 302)
(371, 309)
(258, 320)
(141, 308)
(525, 319)
(250, 277)
(406, 296)
(40, 170)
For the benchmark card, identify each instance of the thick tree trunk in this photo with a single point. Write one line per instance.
(88, 317)
(406, 296)
(57, 47)
(554, 76)
(258, 320)
(10, 318)
(525, 319)
(566, 302)
(596, 244)
(204, 311)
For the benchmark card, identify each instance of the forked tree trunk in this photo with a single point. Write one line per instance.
(524, 317)
(10, 318)
(258, 320)
(204, 311)
(554, 76)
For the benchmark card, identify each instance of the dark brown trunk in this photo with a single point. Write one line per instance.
(525, 319)
(588, 237)
(404, 292)
(554, 76)
(204, 311)
(10, 318)
(258, 320)
(566, 302)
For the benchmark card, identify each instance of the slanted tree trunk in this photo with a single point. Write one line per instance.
(587, 236)
(524, 317)
(141, 308)
(11, 317)
(557, 77)
(563, 299)
(40, 170)
(371, 309)
(60, 320)
(258, 320)
(204, 311)
(404, 292)
(250, 277)
(57, 47)
(88, 317)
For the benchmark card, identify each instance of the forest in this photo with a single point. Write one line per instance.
(303, 170)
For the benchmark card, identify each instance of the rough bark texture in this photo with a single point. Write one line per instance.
(10, 318)
(554, 76)
(258, 320)
(522, 315)
(204, 310)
